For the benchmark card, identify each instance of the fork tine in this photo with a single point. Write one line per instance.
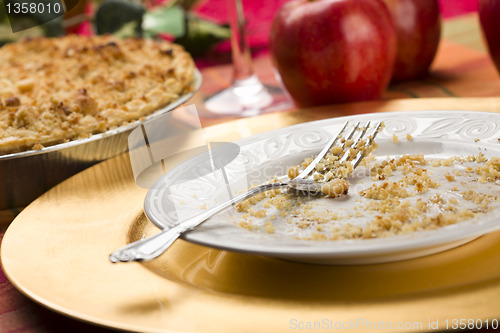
(354, 129)
(322, 154)
(342, 145)
(346, 154)
(371, 137)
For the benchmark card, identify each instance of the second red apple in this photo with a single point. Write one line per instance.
(489, 15)
(418, 29)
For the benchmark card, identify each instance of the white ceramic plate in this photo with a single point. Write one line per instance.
(436, 134)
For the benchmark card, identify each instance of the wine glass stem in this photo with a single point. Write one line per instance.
(242, 60)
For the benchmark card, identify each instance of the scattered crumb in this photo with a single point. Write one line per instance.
(403, 197)
(269, 228)
(246, 224)
(335, 188)
(293, 171)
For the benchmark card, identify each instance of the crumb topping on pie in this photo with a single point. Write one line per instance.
(54, 90)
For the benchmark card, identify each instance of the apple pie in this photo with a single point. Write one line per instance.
(53, 90)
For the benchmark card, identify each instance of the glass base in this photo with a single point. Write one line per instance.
(246, 98)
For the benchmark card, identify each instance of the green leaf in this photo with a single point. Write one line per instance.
(53, 28)
(112, 15)
(169, 19)
(202, 35)
(197, 25)
(3, 14)
(127, 30)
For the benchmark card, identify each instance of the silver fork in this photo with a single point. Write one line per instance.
(150, 247)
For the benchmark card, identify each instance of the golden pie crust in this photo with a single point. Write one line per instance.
(53, 90)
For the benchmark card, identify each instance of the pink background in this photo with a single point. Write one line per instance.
(259, 14)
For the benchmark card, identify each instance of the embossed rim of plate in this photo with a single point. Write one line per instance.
(196, 84)
(242, 241)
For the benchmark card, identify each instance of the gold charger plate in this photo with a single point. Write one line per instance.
(56, 252)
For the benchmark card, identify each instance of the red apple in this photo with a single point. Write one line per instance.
(489, 16)
(418, 30)
(333, 51)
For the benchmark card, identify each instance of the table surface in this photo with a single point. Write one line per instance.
(462, 77)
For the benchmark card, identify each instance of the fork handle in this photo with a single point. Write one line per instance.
(151, 247)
